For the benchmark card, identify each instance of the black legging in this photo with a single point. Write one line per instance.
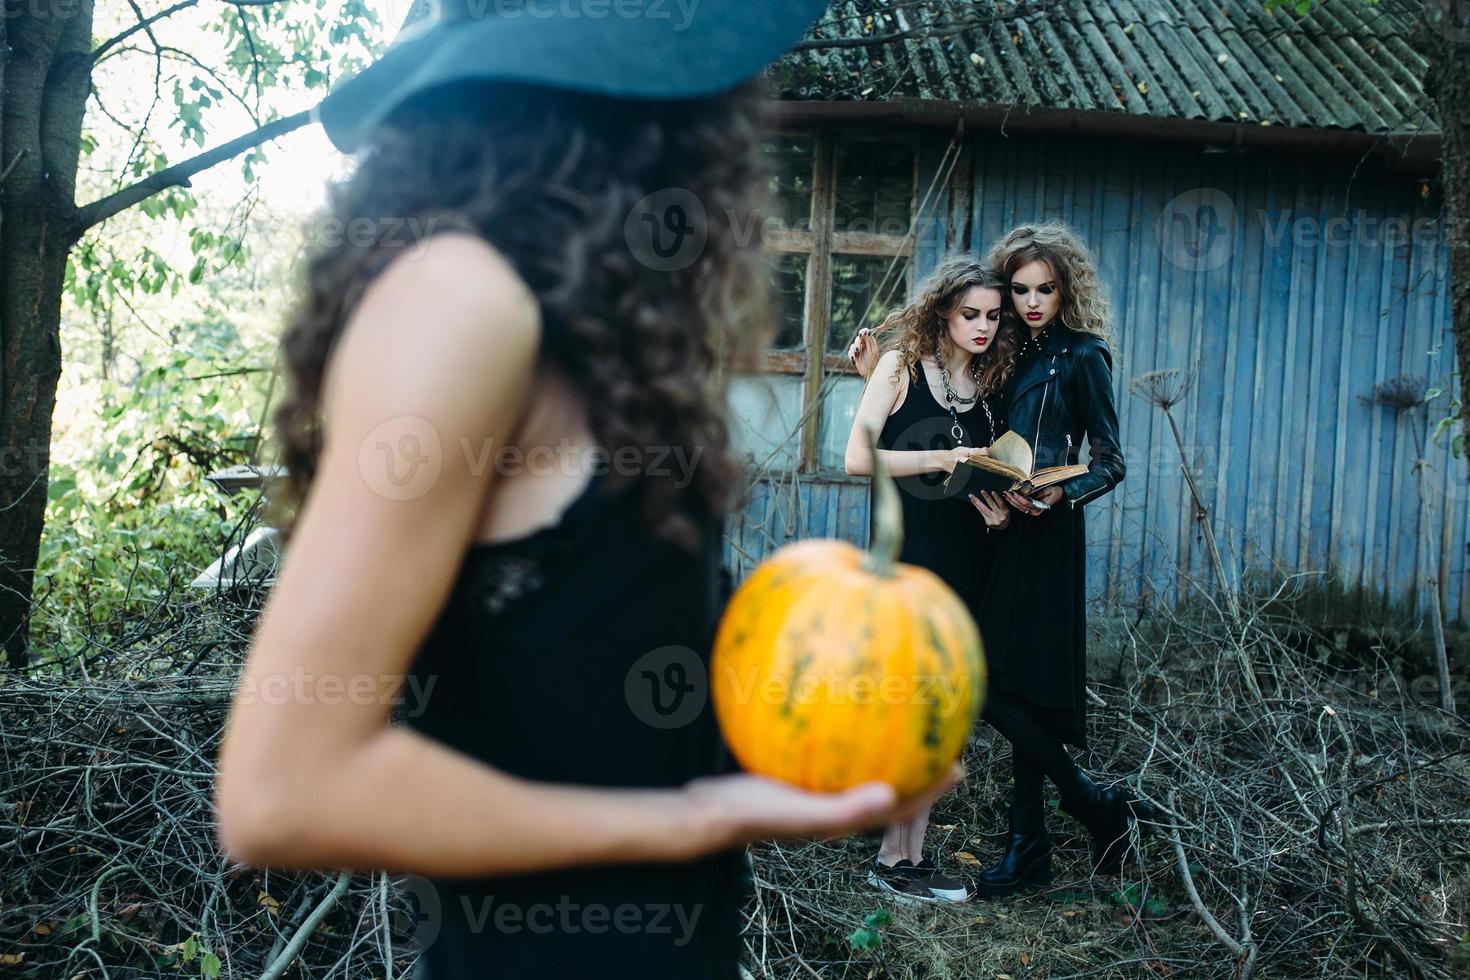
(1035, 750)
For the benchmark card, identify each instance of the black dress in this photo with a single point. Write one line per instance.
(942, 530)
(577, 654)
(1032, 614)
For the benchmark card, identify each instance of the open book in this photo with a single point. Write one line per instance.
(1007, 465)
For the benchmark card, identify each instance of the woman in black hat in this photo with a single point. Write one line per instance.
(508, 475)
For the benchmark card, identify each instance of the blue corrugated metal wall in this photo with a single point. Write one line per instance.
(1318, 297)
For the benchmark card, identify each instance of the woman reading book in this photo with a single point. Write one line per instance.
(1033, 614)
(933, 398)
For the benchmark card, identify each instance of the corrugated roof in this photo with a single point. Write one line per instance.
(1346, 65)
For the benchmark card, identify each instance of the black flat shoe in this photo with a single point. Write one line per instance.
(1027, 858)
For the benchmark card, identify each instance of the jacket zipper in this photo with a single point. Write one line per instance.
(1036, 440)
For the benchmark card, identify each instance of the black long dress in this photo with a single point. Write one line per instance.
(1032, 614)
(577, 654)
(942, 530)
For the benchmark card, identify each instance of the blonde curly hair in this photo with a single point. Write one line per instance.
(920, 324)
(1084, 305)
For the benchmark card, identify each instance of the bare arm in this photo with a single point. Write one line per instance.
(873, 410)
(312, 774)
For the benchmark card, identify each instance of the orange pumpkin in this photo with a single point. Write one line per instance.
(834, 667)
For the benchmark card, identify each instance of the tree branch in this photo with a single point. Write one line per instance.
(102, 48)
(144, 24)
(178, 175)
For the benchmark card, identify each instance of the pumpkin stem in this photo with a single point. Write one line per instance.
(887, 515)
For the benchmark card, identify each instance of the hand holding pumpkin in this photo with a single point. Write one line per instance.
(844, 683)
(741, 808)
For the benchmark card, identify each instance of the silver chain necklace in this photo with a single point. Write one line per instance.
(952, 398)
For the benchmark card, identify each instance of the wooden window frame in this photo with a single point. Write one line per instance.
(821, 243)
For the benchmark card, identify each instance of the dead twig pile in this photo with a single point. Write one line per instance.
(109, 865)
(1318, 825)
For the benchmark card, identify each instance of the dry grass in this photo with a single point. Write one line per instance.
(1322, 816)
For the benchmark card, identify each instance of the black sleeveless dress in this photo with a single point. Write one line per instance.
(577, 654)
(942, 530)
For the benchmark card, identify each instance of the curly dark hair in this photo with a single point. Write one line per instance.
(919, 325)
(548, 178)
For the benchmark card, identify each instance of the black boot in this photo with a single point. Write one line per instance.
(1107, 813)
(1027, 858)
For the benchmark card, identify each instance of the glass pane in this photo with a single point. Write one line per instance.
(764, 411)
(788, 289)
(856, 301)
(839, 408)
(874, 186)
(790, 158)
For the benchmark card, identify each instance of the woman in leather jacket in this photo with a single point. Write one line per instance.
(1033, 617)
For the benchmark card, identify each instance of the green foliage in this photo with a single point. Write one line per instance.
(225, 68)
(1136, 899)
(868, 938)
(1451, 423)
(129, 513)
(1460, 956)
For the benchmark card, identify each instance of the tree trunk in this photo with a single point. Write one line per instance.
(1443, 35)
(46, 58)
(45, 71)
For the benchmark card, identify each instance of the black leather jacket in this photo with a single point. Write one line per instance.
(1062, 394)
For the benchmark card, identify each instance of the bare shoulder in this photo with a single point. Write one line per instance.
(457, 272)
(887, 364)
(447, 307)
